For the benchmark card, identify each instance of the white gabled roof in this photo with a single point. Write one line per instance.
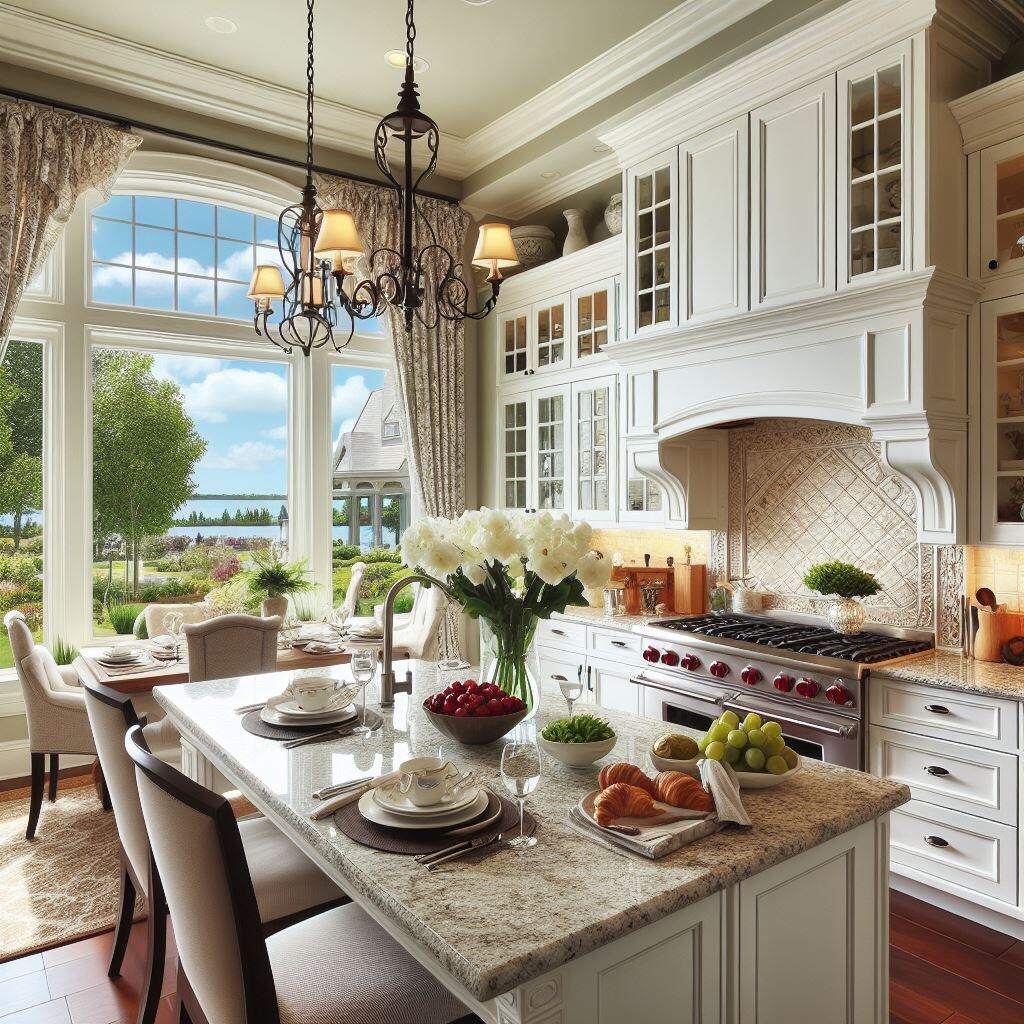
(362, 451)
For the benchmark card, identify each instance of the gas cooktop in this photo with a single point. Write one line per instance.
(798, 637)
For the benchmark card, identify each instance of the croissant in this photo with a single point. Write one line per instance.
(622, 801)
(681, 790)
(628, 773)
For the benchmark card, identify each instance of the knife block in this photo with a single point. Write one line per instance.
(635, 576)
(995, 627)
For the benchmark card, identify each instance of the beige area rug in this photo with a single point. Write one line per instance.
(63, 885)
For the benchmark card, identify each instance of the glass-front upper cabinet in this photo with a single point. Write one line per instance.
(874, 195)
(594, 321)
(550, 323)
(551, 448)
(651, 244)
(641, 499)
(1002, 421)
(1002, 209)
(593, 449)
(513, 344)
(514, 455)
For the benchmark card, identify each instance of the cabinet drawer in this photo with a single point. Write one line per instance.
(614, 642)
(557, 666)
(965, 778)
(963, 717)
(958, 848)
(560, 634)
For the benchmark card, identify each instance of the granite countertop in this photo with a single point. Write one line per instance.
(599, 617)
(501, 920)
(953, 671)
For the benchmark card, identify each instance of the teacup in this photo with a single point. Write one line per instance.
(427, 780)
(314, 693)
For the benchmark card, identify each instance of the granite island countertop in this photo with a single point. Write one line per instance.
(951, 670)
(501, 920)
(592, 616)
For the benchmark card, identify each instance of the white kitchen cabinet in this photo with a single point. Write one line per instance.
(549, 448)
(1001, 224)
(594, 457)
(874, 180)
(793, 196)
(514, 452)
(1001, 421)
(559, 666)
(593, 320)
(611, 685)
(514, 344)
(652, 249)
(548, 327)
(713, 216)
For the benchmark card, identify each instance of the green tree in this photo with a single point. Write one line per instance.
(145, 448)
(21, 490)
(21, 433)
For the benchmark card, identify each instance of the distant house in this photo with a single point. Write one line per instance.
(371, 473)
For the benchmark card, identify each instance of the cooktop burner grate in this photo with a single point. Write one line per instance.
(865, 648)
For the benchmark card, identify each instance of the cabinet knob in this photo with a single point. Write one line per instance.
(936, 841)
(992, 264)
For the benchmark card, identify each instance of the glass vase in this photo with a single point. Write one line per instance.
(509, 659)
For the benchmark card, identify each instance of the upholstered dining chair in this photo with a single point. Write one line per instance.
(338, 967)
(155, 616)
(231, 645)
(54, 707)
(417, 638)
(347, 609)
(287, 884)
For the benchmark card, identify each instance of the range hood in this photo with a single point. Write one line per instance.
(890, 356)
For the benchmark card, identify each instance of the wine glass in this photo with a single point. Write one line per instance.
(572, 689)
(173, 621)
(520, 771)
(364, 668)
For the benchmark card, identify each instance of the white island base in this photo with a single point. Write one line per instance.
(805, 941)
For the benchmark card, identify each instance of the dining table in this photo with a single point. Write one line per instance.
(574, 930)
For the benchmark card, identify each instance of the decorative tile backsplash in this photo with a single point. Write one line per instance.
(802, 492)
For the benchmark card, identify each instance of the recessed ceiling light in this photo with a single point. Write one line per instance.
(548, 175)
(222, 26)
(396, 58)
(476, 3)
(602, 147)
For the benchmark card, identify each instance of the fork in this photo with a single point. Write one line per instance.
(318, 737)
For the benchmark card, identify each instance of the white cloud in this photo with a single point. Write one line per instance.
(184, 368)
(234, 390)
(248, 455)
(277, 433)
(348, 399)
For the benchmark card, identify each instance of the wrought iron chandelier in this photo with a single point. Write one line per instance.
(319, 248)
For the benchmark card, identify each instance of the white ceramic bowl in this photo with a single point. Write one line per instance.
(577, 755)
(748, 780)
(672, 764)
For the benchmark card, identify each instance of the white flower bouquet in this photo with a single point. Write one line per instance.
(510, 569)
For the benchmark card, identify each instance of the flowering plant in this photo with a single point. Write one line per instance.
(510, 569)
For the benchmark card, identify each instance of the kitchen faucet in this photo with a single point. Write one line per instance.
(388, 685)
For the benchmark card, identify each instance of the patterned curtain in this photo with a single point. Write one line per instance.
(48, 158)
(431, 364)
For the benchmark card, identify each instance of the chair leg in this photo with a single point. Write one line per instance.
(123, 928)
(54, 772)
(156, 949)
(36, 799)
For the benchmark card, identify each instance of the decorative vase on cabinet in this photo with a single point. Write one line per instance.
(613, 214)
(576, 239)
(534, 244)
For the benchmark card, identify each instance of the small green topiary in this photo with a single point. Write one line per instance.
(841, 579)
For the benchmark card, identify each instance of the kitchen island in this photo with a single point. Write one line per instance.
(786, 921)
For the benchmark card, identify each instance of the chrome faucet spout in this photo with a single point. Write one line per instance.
(389, 686)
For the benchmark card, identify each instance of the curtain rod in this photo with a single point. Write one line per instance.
(201, 140)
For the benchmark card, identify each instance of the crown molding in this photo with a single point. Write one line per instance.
(664, 39)
(991, 115)
(795, 59)
(29, 39)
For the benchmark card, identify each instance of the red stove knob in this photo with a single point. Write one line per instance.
(808, 688)
(718, 669)
(783, 683)
(652, 654)
(690, 662)
(751, 676)
(839, 694)
(670, 658)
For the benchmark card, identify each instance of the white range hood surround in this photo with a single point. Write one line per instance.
(890, 355)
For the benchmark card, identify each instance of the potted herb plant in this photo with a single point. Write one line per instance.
(272, 578)
(845, 583)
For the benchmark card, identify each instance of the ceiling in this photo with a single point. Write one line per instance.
(484, 59)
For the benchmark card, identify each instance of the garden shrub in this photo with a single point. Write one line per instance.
(13, 596)
(346, 551)
(224, 570)
(379, 578)
(33, 612)
(122, 617)
(167, 590)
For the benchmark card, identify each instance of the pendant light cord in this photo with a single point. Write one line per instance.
(309, 92)
(410, 36)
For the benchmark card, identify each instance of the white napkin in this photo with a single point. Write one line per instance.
(329, 807)
(721, 781)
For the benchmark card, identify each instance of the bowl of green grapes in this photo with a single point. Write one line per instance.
(755, 748)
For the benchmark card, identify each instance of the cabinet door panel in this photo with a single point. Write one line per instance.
(1002, 209)
(550, 326)
(550, 448)
(514, 458)
(612, 686)
(513, 344)
(594, 438)
(793, 187)
(714, 186)
(594, 320)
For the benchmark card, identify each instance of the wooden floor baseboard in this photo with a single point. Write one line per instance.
(18, 788)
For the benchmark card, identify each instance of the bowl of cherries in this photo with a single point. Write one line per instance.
(474, 713)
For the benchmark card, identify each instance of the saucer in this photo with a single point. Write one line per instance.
(395, 802)
(346, 714)
(372, 811)
(290, 708)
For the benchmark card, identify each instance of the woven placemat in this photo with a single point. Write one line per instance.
(392, 840)
(252, 722)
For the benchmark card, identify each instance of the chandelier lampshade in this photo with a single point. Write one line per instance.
(266, 284)
(338, 240)
(494, 248)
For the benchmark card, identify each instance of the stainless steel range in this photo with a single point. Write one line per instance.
(808, 678)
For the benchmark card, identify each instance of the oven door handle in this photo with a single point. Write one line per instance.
(847, 732)
(670, 685)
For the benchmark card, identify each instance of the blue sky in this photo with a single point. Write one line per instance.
(240, 407)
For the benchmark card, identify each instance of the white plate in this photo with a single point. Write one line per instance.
(668, 813)
(392, 800)
(271, 717)
(108, 655)
(122, 662)
(290, 708)
(372, 811)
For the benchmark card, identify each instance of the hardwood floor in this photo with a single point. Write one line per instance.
(944, 970)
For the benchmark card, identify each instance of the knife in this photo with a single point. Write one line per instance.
(340, 787)
(318, 737)
(476, 844)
